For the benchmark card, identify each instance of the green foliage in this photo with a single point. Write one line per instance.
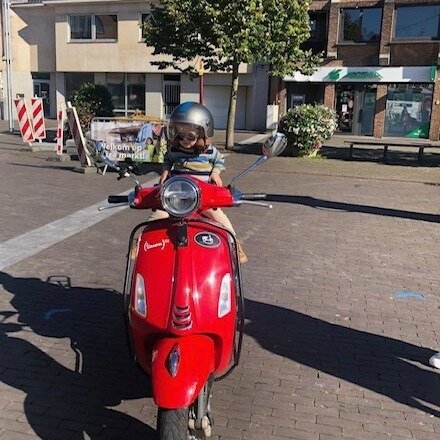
(307, 126)
(227, 32)
(91, 100)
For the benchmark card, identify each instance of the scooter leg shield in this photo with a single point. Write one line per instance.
(180, 369)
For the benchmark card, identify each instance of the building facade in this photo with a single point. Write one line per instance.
(56, 45)
(381, 67)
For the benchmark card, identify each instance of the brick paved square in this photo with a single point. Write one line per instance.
(342, 307)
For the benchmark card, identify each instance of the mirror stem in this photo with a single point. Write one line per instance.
(259, 161)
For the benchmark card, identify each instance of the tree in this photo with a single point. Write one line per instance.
(91, 100)
(226, 33)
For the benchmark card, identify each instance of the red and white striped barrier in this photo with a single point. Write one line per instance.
(38, 118)
(60, 131)
(78, 137)
(24, 121)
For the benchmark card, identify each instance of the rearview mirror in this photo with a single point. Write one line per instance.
(275, 145)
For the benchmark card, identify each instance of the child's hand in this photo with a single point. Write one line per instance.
(163, 177)
(215, 178)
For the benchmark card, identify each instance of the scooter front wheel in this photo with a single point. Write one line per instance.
(172, 424)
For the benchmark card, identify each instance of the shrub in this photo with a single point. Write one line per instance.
(307, 126)
(91, 100)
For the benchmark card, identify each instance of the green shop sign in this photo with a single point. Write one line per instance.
(335, 75)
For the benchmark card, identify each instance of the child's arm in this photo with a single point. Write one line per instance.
(218, 166)
(166, 170)
(215, 178)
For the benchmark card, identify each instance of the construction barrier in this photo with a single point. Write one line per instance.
(78, 137)
(38, 118)
(60, 131)
(24, 121)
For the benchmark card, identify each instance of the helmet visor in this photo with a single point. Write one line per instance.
(184, 131)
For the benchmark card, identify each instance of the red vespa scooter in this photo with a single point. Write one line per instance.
(183, 304)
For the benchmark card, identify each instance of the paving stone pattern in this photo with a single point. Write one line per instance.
(330, 350)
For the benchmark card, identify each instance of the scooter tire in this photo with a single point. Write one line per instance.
(172, 424)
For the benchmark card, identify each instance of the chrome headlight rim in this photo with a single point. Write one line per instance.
(193, 185)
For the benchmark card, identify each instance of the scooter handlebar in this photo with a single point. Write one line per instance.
(253, 196)
(117, 199)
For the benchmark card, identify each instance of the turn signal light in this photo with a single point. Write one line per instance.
(140, 301)
(224, 300)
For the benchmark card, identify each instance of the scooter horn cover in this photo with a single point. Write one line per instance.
(195, 364)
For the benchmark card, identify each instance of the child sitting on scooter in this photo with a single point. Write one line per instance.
(190, 152)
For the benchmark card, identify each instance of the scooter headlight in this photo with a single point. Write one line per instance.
(180, 196)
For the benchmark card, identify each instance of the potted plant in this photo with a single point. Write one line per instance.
(307, 126)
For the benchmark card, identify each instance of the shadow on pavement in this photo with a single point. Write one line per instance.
(350, 207)
(142, 169)
(395, 157)
(387, 366)
(67, 401)
(67, 167)
(248, 148)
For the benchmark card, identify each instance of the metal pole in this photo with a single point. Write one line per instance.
(7, 39)
(201, 89)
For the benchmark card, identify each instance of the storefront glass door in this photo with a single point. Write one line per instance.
(345, 106)
(355, 108)
(367, 105)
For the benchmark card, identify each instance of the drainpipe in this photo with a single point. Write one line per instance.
(8, 58)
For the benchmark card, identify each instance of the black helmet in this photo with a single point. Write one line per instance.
(194, 114)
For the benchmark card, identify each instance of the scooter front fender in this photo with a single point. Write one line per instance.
(193, 359)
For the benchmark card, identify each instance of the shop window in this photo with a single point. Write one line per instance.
(75, 80)
(136, 91)
(93, 27)
(417, 22)
(127, 92)
(360, 25)
(116, 87)
(408, 110)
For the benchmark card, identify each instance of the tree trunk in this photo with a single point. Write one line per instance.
(232, 107)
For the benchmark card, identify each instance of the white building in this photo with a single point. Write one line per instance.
(58, 44)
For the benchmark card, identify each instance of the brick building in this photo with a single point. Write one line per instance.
(381, 67)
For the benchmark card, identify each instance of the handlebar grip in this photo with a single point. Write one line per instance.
(117, 199)
(253, 196)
